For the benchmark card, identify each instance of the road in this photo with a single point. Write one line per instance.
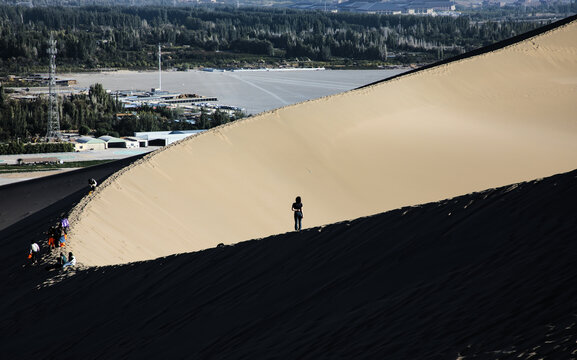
(109, 154)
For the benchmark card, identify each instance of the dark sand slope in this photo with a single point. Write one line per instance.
(497, 116)
(483, 276)
(29, 208)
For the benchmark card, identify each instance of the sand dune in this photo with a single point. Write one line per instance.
(484, 121)
(485, 275)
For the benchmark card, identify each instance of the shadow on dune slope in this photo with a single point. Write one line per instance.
(29, 208)
(485, 275)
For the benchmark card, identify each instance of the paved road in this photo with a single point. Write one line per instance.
(109, 154)
(20, 200)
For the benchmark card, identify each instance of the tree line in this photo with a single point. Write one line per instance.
(95, 113)
(17, 147)
(90, 37)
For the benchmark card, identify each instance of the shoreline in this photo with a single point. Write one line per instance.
(232, 70)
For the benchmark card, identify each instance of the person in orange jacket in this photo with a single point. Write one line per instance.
(63, 238)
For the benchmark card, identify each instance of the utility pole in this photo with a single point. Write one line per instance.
(53, 111)
(159, 68)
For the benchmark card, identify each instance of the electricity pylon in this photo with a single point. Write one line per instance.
(53, 111)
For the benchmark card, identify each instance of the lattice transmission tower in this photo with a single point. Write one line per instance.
(53, 111)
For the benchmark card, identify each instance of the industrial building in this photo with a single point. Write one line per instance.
(113, 142)
(86, 143)
(163, 138)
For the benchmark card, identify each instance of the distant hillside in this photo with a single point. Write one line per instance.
(97, 37)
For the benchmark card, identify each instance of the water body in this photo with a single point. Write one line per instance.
(255, 91)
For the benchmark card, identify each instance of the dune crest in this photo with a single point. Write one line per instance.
(481, 122)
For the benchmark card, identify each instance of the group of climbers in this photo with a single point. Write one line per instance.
(57, 236)
(59, 232)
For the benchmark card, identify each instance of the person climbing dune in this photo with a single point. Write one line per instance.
(60, 263)
(64, 224)
(62, 239)
(71, 260)
(62, 260)
(34, 252)
(52, 236)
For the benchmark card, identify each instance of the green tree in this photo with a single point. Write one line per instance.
(219, 118)
(84, 130)
(203, 120)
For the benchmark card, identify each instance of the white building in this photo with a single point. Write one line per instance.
(163, 138)
(133, 142)
(113, 142)
(86, 143)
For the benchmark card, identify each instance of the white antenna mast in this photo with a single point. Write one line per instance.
(159, 68)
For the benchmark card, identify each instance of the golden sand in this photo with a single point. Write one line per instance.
(482, 122)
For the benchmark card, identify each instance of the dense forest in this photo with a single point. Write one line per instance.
(94, 113)
(127, 37)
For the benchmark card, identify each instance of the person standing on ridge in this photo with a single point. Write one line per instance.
(92, 184)
(297, 209)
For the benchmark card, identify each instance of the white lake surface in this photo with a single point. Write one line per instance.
(255, 91)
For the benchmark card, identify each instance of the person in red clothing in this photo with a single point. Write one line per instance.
(52, 242)
(52, 236)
